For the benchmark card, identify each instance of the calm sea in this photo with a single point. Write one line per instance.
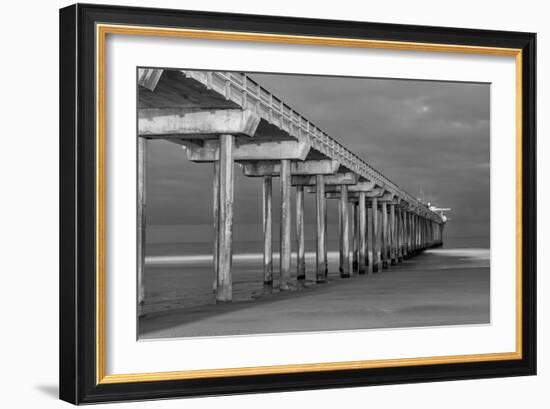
(180, 275)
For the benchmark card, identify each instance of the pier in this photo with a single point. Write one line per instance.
(226, 118)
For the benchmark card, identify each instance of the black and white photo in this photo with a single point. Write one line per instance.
(279, 203)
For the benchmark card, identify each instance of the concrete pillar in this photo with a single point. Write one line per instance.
(375, 239)
(286, 220)
(368, 260)
(346, 271)
(406, 234)
(340, 239)
(225, 221)
(216, 218)
(384, 239)
(415, 233)
(362, 233)
(324, 198)
(353, 237)
(393, 235)
(321, 229)
(141, 224)
(267, 228)
(399, 216)
(300, 235)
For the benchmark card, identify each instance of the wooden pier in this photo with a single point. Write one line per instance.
(225, 118)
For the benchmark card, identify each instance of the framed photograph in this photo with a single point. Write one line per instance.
(257, 203)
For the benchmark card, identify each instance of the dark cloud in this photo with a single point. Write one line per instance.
(431, 138)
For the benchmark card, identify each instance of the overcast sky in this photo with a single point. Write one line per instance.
(430, 138)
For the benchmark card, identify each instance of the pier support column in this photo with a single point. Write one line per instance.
(346, 264)
(286, 220)
(419, 227)
(368, 260)
(384, 236)
(300, 235)
(141, 224)
(415, 227)
(225, 222)
(411, 234)
(415, 233)
(353, 237)
(393, 236)
(362, 233)
(321, 229)
(399, 218)
(375, 239)
(405, 235)
(340, 239)
(267, 219)
(216, 218)
(325, 241)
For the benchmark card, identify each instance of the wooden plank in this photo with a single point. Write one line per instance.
(286, 219)
(225, 233)
(300, 235)
(267, 228)
(320, 275)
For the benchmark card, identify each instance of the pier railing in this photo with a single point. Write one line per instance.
(248, 94)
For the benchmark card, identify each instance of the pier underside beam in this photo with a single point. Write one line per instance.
(247, 150)
(308, 167)
(337, 179)
(178, 123)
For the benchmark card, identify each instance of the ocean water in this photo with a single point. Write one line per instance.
(179, 276)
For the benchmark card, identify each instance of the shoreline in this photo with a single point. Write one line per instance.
(438, 287)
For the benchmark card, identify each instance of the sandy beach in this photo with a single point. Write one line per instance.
(438, 287)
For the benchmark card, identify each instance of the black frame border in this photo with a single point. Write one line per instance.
(77, 149)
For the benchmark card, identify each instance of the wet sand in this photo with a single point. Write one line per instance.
(438, 287)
